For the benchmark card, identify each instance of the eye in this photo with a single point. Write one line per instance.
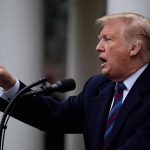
(104, 38)
(107, 38)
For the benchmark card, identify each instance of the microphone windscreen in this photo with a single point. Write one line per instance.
(67, 85)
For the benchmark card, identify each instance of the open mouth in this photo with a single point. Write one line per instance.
(103, 60)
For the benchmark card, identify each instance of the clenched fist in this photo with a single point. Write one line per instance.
(7, 81)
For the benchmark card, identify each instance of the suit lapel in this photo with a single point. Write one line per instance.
(99, 110)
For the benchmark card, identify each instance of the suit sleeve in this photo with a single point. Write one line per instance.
(48, 114)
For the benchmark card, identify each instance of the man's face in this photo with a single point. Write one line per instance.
(113, 51)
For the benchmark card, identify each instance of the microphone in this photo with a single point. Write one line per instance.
(60, 86)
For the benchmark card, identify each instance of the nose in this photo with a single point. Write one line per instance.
(100, 47)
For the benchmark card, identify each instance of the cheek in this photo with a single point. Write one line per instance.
(119, 62)
(115, 61)
(117, 54)
(112, 57)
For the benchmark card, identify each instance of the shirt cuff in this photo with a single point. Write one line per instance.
(8, 95)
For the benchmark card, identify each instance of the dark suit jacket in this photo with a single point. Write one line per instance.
(87, 113)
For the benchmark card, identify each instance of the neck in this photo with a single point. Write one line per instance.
(131, 70)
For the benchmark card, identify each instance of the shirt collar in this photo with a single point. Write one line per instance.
(131, 80)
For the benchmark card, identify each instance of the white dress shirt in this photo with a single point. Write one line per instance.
(8, 95)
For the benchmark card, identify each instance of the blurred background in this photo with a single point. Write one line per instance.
(58, 38)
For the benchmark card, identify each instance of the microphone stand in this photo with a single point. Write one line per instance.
(7, 112)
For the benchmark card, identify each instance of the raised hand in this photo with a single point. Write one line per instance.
(7, 81)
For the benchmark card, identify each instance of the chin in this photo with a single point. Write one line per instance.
(107, 75)
(104, 72)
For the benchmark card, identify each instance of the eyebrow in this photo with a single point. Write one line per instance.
(102, 36)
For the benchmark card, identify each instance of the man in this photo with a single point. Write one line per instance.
(124, 51)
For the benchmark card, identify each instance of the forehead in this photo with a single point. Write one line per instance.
(114, 26)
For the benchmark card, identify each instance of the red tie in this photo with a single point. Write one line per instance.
(118, 96)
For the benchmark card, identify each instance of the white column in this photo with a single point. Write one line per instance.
(82, 38)
(82, 61)
(21, 45)
(137, 6)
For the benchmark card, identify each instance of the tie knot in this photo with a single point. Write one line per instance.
(120, 87)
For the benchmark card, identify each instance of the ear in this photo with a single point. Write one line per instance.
(136, 47)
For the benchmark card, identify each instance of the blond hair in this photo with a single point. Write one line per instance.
(138, 27)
